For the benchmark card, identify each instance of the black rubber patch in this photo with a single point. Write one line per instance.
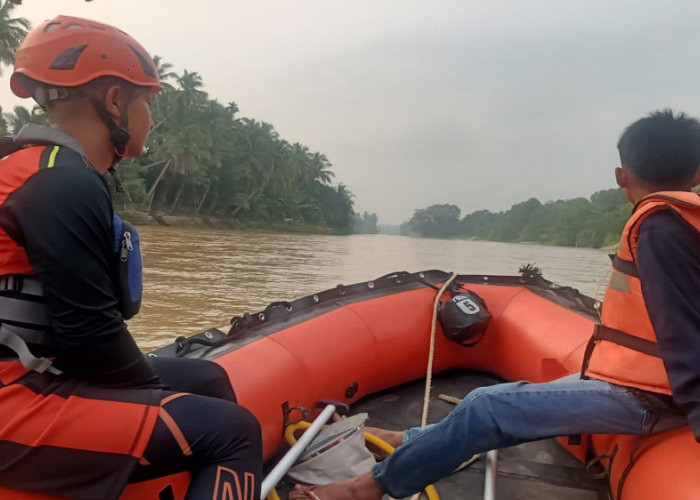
(145, 65)
(68, 58)
(166, 493)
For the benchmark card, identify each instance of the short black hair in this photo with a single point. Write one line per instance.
(662, 149)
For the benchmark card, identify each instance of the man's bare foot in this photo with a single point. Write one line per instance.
(394, 438)
(362, 487)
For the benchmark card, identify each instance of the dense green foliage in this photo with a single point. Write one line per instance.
(12, 32)
(203, 159)
(366, 224)
(436, 221)
(594, 222)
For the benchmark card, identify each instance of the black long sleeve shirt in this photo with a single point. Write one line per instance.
(62, 216)
(669, 269)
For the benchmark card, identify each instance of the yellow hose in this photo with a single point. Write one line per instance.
(289, 431)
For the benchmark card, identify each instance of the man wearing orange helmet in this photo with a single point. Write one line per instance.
(82, 408)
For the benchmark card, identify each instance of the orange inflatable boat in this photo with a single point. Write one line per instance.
(353, 343)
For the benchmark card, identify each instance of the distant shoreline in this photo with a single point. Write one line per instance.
(139, 218)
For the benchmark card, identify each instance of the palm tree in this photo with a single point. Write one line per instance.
(184, 143)
(12, 32)
(191, 84)
(321, 168)
(210, 161)
(257, 154)
(21, 116)
(165, 72)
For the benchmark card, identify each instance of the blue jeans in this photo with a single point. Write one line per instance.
(508, 414)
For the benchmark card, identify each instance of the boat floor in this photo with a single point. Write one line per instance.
(541, 470)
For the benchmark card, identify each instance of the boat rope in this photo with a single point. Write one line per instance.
(431, 352)
(431, 355)
(429, 371)
(449, 399)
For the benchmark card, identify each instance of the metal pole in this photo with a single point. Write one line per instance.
(490, 475)
(294, 452)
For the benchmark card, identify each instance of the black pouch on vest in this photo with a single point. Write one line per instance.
(464, 318)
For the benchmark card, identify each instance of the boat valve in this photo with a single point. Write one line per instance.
(341, 409)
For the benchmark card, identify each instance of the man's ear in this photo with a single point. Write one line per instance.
(622, 176)
(113, 101)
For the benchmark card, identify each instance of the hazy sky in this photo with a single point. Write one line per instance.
(477, 103)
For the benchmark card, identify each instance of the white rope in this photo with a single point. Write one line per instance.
(431, 352)
(431, 355)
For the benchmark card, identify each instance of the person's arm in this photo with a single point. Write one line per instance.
(63, 218)
(669, 269)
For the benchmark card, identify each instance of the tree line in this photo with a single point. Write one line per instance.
(594, 222)
(204, 159)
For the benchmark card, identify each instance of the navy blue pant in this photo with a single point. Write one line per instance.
(204, 431)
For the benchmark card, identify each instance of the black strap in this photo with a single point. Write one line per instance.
(625, 339)
(634, 456)
(24, 311)
(604, 472)
(117, 133)
(28, 285)
(621, 338)
(624, 266)
(118, 186)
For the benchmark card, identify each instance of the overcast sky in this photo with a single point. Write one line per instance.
(481, 104)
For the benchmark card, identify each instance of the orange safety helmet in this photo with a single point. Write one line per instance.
(70, 51)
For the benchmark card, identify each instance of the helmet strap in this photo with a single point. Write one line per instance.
(118, 187)
(118, 134)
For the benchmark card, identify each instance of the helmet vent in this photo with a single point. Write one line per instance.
(145, 64)
(50, 27)
(74, 27)
(68, 58)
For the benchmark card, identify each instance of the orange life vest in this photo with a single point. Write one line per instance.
(25, 306)
(58, 435)
(623, 349)
(17, 168)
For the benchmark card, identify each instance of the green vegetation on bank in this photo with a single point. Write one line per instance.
(205, 160)
(579, 222)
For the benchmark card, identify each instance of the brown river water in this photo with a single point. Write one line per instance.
(197, 278)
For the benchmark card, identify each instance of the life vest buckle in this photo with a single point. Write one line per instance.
(11, 283)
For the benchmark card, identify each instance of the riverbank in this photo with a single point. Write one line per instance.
(139, 218)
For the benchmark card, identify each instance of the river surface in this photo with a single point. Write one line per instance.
(196, 278)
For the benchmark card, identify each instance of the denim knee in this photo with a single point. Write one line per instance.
(485, 395)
